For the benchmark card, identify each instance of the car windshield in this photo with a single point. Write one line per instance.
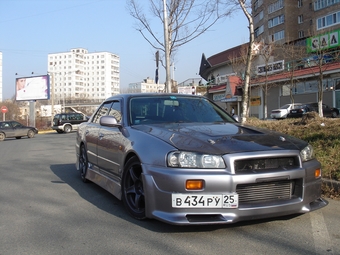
(299, 106)
(286, 106)
(167, 109)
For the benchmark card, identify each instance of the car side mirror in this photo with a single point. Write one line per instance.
(108, 121)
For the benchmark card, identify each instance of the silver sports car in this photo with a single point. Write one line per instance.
(183, 160)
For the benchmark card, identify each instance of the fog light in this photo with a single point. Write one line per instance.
(194, 184)
(317, 173)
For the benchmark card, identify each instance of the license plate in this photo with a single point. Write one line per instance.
(205, 201)
(293, 111)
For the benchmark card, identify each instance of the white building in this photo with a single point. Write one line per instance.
(146, 86)
(79, 74)
(1, 99)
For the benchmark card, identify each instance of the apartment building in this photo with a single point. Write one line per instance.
(82, 75)
(312, 24)
(284, 21)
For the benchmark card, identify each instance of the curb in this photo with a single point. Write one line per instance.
(332, 184)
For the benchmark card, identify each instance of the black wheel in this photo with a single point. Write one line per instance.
(2, 136)
(133, 190)
(60, 131)
(83, 163)
(67, 129)
(334, 115)
(18, 137)
(30, 133)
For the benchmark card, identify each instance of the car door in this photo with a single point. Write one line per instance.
(92, 133)
(7, 128)
(111, 144)
(19, 129)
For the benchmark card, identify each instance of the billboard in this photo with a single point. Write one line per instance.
(32, 88)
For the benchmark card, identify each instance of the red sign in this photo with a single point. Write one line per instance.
(4, 109)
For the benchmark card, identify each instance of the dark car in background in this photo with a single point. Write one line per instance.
(300, 110)
(184, 160)
(66, 122)
(10, 129)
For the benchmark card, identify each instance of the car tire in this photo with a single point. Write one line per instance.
(67, 129)
(30, 133)
(18, 137)
(83, 163)
(133, 190)
(2, 136)
(334, 115)
(60, 131)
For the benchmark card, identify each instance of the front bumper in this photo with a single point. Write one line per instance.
(159, 184)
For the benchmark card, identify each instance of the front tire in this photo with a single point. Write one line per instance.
(2, 136)
(133, 189)
(67, 129)
(83, 163)
(30, 133)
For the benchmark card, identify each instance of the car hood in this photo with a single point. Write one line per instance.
(221, 138)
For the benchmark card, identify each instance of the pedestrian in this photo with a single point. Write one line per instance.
(232, 111)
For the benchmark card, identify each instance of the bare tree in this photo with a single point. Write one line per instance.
(245, 6)
(318, 63)
(182, 20)
(294, 60)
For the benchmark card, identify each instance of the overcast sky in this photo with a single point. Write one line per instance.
(31, 29)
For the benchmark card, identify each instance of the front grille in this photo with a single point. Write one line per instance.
(268, 192)
(256, 165)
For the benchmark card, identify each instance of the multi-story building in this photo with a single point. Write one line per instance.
(1, 77)
(80, 75)
(284, 21)
(282, 27)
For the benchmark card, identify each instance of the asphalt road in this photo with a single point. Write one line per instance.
(46, 209)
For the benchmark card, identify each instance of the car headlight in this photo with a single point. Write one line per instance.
(307, 153)
(184, 159)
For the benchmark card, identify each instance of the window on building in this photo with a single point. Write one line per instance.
(301, 34)
(276, 21)
(300, 19)
(257, 31)
(328, 21)
(320, 4)
(257, 18)
(299, 3)
(277, 36)
(257, 4)
(275, 6)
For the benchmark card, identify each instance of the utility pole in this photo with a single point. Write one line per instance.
(167, 49)
(52, 99)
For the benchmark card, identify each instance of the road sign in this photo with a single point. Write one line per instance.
(4, 109)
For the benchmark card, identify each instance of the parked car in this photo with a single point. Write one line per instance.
(66, 122)
(283, 111)
(10, 128)
(299, 111)
(183, 160)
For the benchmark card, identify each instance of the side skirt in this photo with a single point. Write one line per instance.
(105, 182)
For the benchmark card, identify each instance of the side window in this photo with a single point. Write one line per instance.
(79, 116)
(102, 111)
(115, 111)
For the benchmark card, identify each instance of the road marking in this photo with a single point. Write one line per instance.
(322, 240)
